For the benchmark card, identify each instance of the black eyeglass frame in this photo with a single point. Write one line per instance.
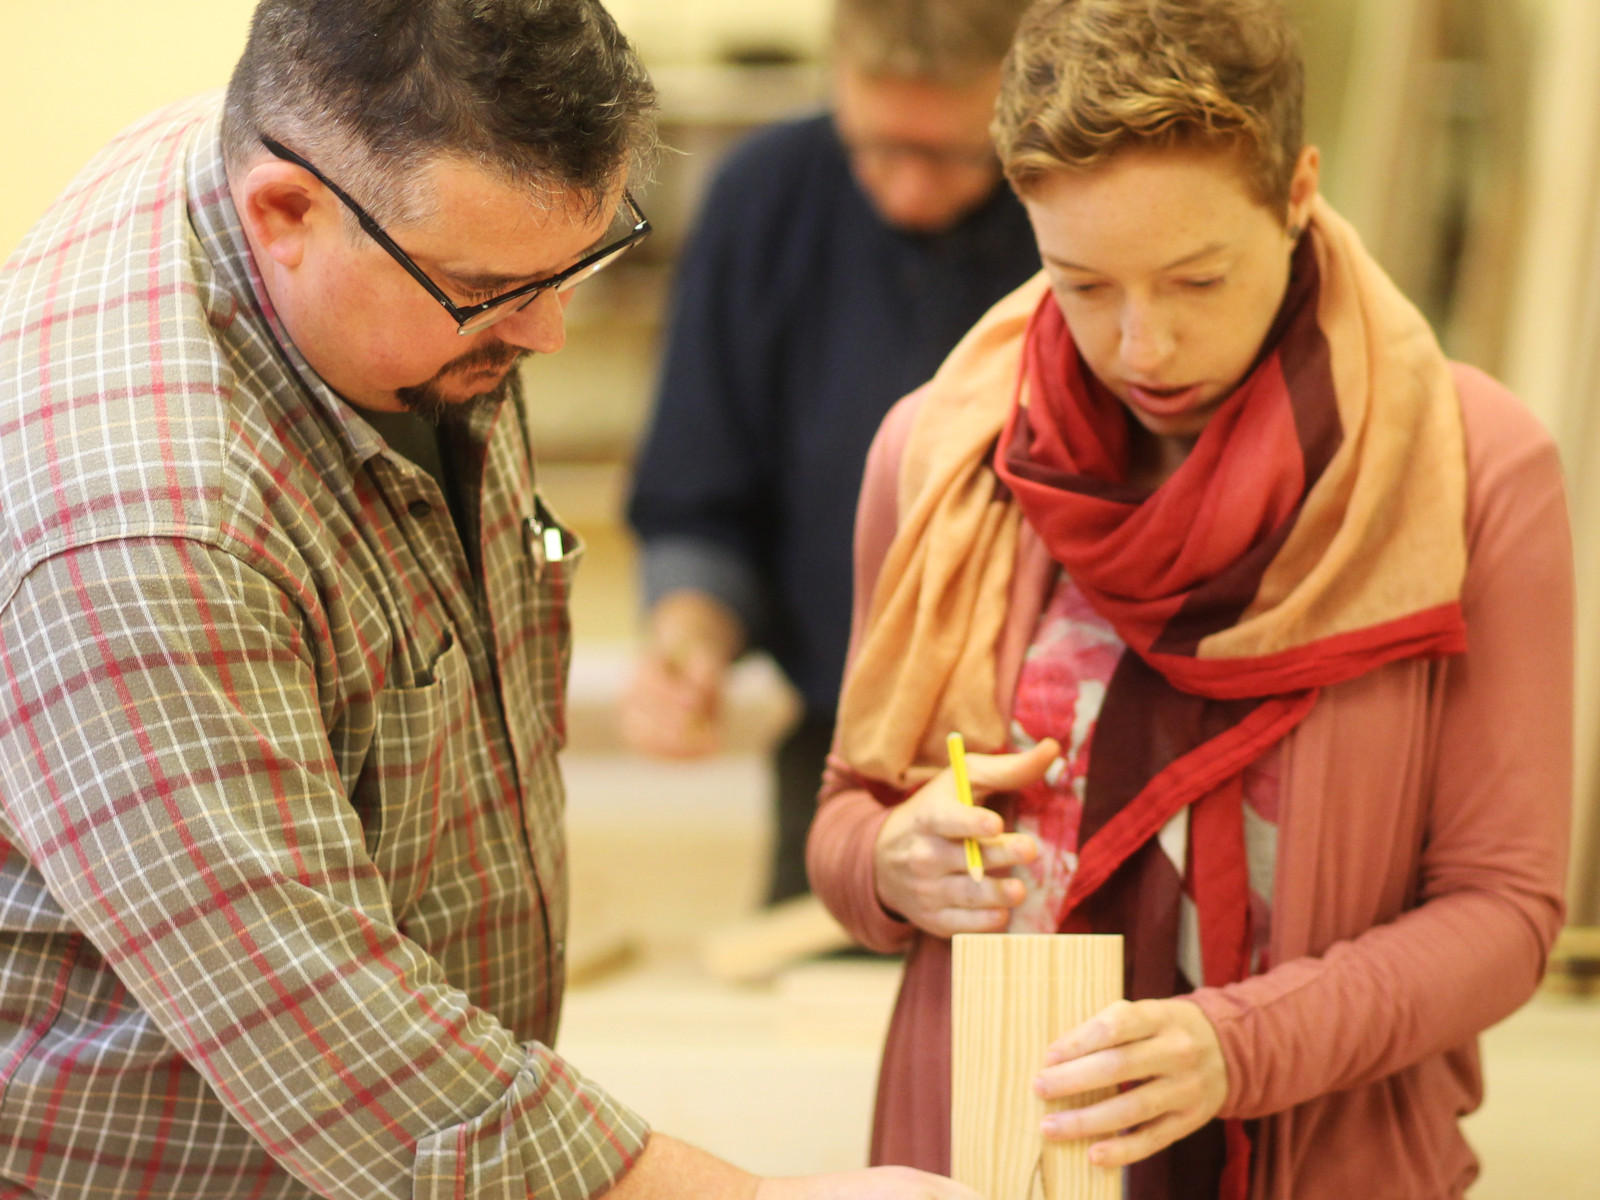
(464, 315)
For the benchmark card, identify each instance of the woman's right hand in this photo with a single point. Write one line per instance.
(919, 862)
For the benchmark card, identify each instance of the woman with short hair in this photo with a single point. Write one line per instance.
(1261, 611)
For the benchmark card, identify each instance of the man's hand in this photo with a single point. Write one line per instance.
(919, 863)
(879, 1183)
(673, 1170)
(1167, 1048)
(672, 707)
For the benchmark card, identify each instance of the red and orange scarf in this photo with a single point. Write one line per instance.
(1315, 532)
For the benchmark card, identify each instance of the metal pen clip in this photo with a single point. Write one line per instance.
(542, 537)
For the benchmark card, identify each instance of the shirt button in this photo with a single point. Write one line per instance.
(420, 509)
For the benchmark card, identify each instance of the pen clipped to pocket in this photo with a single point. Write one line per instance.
(545, 539)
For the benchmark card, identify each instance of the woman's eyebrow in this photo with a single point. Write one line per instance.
(1204, 252)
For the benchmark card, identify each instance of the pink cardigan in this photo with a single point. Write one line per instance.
(1421, 860)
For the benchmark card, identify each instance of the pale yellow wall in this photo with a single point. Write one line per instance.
(76, 71)
(73, 72)
(678, 31)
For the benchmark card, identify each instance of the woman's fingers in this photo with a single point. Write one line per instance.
(1007, 772)
(920, 861)
(1138, 1144)
(950, 921)
(1167, 1049)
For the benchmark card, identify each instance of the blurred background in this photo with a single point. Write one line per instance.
(1462, 138)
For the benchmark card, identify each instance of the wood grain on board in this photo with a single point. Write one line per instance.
(1011, 996)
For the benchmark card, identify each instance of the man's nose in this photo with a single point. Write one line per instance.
(913, 194)
(540, 326)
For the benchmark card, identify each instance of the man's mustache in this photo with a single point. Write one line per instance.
(484, 358)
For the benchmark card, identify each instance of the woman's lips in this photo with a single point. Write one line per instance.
(1166, 402)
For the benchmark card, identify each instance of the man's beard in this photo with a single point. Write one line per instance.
(430, 401)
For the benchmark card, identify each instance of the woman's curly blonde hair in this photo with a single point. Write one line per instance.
(1087, 79)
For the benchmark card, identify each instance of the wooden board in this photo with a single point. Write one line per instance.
(759, 946)
(1011, 996)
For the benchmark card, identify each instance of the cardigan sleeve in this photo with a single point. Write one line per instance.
(839, 850)
(1485, 901)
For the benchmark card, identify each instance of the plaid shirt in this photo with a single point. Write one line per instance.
(282, 888)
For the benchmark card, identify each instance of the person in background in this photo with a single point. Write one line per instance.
(1261, 610)
(284, 630)
(835, 262)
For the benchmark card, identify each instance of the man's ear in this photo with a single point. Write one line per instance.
(281, 205)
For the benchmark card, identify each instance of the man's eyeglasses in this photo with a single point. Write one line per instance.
(473, 318)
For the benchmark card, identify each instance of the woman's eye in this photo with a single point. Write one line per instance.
(1085, 289)
(1202, 283)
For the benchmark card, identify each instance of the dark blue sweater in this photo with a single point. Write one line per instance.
(799, 317)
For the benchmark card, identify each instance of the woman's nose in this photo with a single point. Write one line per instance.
(1147, 340)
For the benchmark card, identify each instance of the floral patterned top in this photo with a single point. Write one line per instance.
(1059, 693)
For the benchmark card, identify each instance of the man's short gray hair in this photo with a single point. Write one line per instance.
(547, 94)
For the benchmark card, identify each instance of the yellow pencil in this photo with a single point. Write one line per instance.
(958, 765)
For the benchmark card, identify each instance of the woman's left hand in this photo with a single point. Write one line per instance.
(1165, 1047)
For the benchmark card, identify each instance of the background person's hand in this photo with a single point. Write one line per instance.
(877, 1183)
(1166, 1047)
(920, 865)
(672, 705)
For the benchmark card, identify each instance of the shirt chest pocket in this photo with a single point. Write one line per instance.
(414, 772)
(535, 639)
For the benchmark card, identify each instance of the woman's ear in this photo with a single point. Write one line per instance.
(1303, 190)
